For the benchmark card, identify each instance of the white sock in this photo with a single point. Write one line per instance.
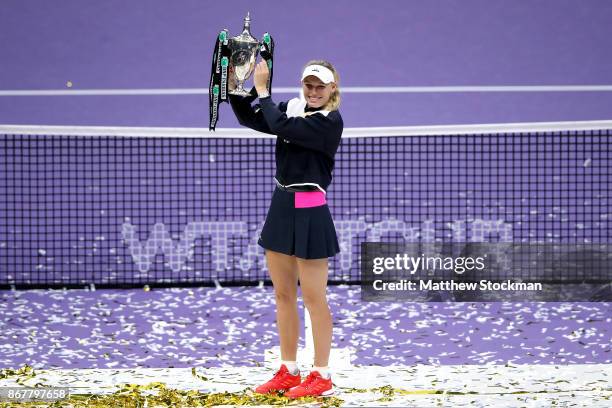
(291, 366)
(324, 371)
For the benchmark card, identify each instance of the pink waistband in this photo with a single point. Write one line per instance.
(308, 199)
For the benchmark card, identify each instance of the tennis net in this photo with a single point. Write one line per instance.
(131, 206)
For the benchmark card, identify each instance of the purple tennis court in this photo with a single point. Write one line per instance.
(128, 231)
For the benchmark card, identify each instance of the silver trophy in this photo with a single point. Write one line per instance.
(244, 49)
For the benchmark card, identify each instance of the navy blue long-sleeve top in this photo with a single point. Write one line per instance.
(305, 145)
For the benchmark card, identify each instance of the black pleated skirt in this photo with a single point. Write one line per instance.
(307, 233)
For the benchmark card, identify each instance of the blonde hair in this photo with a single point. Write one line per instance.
(334, 99)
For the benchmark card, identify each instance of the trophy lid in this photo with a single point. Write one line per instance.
(246, 31)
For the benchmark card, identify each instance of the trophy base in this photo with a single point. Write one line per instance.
(240, 92)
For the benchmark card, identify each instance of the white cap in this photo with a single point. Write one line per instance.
(321, 72)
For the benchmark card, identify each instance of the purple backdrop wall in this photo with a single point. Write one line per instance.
(168, 44)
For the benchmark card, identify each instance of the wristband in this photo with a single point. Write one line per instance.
(264, 94)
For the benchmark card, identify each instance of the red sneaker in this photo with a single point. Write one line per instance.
(282, 380)
(313, 386)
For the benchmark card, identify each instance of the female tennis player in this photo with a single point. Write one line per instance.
(299, 235)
